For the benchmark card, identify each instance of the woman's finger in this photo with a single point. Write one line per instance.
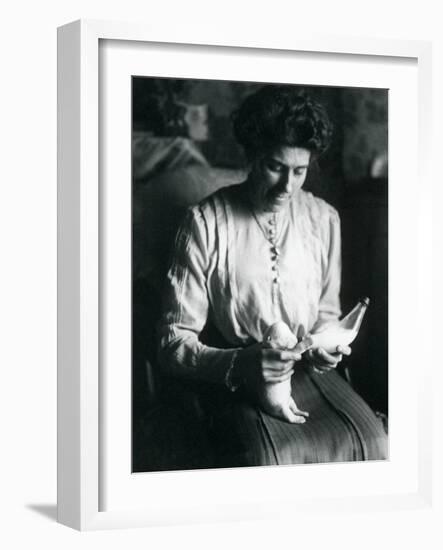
(329, 358)
(344, 350)
(304, 344)
(323, 369)
(274, 378)
(281, 355)
(319, 358)
(289, 355)
(279, 368)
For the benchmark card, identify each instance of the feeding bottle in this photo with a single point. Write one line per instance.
(342, 333)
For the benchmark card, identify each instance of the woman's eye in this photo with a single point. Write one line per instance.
(299, 171)
(274, 167)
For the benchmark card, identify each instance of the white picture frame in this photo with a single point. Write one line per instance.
(80, 368)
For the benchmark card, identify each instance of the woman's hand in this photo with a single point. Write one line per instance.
(322, 361)
(256, 365)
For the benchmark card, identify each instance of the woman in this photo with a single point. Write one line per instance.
(251, 255)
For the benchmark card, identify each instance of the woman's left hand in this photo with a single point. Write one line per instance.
(322, 361)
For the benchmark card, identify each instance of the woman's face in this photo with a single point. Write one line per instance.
(277, 177)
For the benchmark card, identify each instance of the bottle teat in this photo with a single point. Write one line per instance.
(354, 318)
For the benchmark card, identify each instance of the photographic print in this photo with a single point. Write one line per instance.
(259, 274)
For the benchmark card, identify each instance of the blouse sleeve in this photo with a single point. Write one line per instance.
(186, 307)
(329, 305)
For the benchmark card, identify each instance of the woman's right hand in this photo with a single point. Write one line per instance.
(257, 365)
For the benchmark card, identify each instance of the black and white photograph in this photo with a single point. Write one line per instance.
(222, 263)
(259, 274)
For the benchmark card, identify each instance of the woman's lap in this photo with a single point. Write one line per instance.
(341, 427)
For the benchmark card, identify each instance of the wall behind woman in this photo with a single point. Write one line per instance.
(359, 116)
(365, 130)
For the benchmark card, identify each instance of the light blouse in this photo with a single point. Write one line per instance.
(225, 269)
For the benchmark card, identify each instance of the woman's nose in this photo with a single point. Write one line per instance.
(288, 182)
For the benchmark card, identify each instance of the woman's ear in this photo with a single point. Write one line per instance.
(249, 161)
(255, 164)
(250, 166)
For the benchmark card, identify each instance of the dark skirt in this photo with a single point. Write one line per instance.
(340, 428)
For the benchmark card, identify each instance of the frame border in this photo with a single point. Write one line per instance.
(78, 204)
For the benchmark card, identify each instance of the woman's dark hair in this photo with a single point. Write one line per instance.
(281, 115)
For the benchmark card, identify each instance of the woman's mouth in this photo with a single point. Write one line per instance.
(278, 201)
(281, 198)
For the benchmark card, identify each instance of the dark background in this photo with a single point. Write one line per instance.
(171, 171)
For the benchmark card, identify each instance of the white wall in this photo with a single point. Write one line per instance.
(28, 270)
